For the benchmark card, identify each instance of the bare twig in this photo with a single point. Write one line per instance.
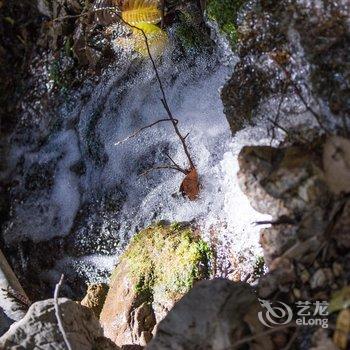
(285, 130)
(84, 13)
(58, 314)
(261, 334)
(175, 164)
(300, 95)
(158, 167)
(161, 87)
(278, 114)
(142, 129)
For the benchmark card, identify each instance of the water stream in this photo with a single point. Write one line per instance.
(92, 195)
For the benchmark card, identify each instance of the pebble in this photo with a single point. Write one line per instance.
(337, 269)
(305, 276)
(320, 278)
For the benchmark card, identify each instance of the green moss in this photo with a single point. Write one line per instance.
(167, 260)
(190, 35)
(224, 12)
(259, 267)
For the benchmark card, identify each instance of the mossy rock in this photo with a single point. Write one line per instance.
(191, 30)
(167, 259)
(159, 266)
(224, 12)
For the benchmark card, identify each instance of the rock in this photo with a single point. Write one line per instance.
(95, 297)
(272, 47)
(305, 276)
(321, 341)
(286, 183)
(45, 7)
(105, 17)
(282, 181)
(159, 266)
(341, 229)
(39, 329)
(281, 276)
(321, 278)
(336, 164)
(213, 315)
(274, 243)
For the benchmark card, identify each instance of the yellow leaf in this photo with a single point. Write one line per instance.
(340, 300)
(156, 37)
(340, 336)
(136, 11)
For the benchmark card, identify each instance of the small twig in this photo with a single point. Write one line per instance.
(170, 167)
(58, 314)
(278, 125)
(175, 164)
(142, 129)
(278, 113)
(284, 129)
(300, 95)
(161, 87)
(261, 334)
(84, 14)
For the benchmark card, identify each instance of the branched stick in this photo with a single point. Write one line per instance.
(300, 95)
(163, 99)
(284, 129)
(175, 164)
(58, 314)
(161, 87)
(84, 14)
(142, 129)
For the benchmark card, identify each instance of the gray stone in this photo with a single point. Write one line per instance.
(39, 328)
(213, 315)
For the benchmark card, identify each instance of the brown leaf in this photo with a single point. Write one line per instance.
(340, 336)
(190, 185)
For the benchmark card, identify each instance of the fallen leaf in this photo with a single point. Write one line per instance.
(340, 336)
(190, 185)
(340, 300)
(136, 11)
(156, 37)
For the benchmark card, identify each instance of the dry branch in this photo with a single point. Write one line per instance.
(134, 134)
(58, 314)
(190, 170)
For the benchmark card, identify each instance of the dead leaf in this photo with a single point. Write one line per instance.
(340, 336)
(190, 185)
(336, 164)
(340, 300)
